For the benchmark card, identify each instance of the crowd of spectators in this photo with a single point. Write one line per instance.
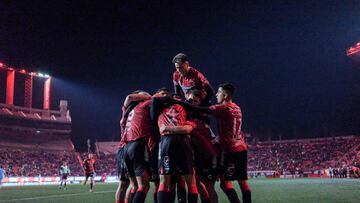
(300, 156)
(18, 162)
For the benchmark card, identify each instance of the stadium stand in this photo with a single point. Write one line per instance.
(306, 155)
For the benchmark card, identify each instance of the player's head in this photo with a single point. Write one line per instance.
(162, 92)
(140, 92)
(181, 63)
(64, 163)
(90, 155)
(193, 96)
(225, 92)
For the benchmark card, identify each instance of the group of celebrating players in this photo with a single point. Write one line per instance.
(166, 139)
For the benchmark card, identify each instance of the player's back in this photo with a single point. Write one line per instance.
(229, 120)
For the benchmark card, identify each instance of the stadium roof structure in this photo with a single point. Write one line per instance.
(354, 52)
(23, 71)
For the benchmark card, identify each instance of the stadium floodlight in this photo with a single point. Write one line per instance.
(23, 71)
(2, 65)
(46, 75)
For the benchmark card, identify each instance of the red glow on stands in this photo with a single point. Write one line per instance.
(10, 81)
(23, 71)
(47, 86)
(2, 65)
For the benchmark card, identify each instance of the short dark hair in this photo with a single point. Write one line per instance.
(229, 88)
(180, 58)
(195, 92)
(163, 89)
(137, 91)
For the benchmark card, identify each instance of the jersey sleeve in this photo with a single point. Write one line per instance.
(217, 109)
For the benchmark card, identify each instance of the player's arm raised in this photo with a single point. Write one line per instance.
(185, 129)
(135, 97)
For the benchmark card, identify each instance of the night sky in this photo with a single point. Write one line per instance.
(286, 59)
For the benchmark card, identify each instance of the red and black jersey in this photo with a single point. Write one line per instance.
(193, 79)
(229, 120)
(89, 165)
(202, 137)
(138, 123)
(174, 115)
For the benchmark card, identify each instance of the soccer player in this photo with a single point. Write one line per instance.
(2, 175)
(138, 129)
(89, 169)
(175, 152)
(233, 146)
(64, 172)
(186, 78)
(122, 193)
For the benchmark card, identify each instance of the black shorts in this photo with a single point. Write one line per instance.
(120, 164)
(175, 155)
(89, 174)
(206, 167)
(234, 165)
(137, 158)
(64, 176)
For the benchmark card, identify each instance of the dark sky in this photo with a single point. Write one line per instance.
(287, 59)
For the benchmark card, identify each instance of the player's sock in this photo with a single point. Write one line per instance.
(192, 197)
(232, 196)
(163, 197)
(246, 192)
(65, 184)
(139, 196)
(155, 197)
(172, 196)
(246, 196)
(192, 194)
(181, 193)
(131, 195)
(91, 186)
(163, 194)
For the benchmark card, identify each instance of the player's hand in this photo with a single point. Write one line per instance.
(177, 97)
(164, 130)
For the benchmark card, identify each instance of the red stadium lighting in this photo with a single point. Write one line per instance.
(23, 71)
(354, 51)
(2, 65)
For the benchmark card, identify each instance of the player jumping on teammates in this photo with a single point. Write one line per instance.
(89, 169)
(186, 78)
(64, 172)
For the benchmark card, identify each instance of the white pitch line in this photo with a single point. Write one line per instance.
(54, 196)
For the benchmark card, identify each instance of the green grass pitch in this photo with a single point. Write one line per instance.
(263, 190)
